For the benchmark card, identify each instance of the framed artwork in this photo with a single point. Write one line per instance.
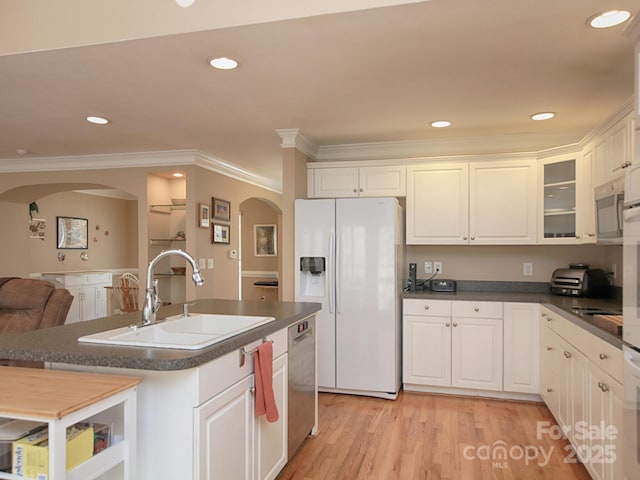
(265, 240)
(73, 233)
(220, 233)
(203, 215)
(221, 209)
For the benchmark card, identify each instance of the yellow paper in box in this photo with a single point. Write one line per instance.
(31, 453)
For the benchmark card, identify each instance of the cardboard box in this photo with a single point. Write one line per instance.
(31, 453)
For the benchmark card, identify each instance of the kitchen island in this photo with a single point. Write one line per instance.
(195, 407)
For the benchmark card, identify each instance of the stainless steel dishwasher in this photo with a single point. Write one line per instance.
(302, 376)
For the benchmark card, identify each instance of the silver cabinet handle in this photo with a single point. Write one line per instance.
(603, 356)
(477, 309)
(473, 238)
(464, 238)
(549, 390)
(549, 348)
(426, 307)
(361, 189)
(626, 164)
(603, 386)
(544, 314)
(455, 324)
(567, 354)
(355, 190)
(447, 324)
(549, 319)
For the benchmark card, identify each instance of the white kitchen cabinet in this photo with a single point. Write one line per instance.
(88, 290)
(481, 203)
(581, 384)
(449, 344)
(365, 181)
(437, 204)
(613, 149)
(566, 200)
(232, 442)
(521, 333)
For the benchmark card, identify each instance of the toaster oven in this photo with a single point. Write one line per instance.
(580, 282)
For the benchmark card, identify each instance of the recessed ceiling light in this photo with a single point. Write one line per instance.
(185, 3)
(441, 124)
(609, 19)
(98, 120)
(223, 63)
(543, 116)
(178, 174)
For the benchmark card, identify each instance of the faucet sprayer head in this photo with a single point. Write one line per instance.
(197, 278)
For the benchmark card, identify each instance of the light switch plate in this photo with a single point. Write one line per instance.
(209, 262)
(201, 264)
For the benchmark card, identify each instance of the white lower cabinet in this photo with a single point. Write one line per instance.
(231, 442)
(581, 383)
(445, 345)
(521, 352)
(88, 290)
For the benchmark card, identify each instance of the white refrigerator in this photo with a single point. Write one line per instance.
(349, 255)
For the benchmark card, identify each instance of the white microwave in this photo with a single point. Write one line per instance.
(609, 199)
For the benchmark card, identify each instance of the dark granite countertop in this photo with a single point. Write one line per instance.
(560, 304)
(60, 344)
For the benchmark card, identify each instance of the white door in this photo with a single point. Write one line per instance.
(438, 204)
(224, 434)
(426, 350)
(367, 303)
(271, 438)
(476, 353)
(315, 237)
(521, 347)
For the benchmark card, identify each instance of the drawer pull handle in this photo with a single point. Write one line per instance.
(476, 309)
(567, 354)
(447, 324)
(549, 390)
(455, 324)
(544, 314)
(603, 386)
(244, 353)
(549, 348)
(603, 356)
(426, 307)
(549, 319)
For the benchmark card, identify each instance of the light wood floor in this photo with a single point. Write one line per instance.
(422, 436)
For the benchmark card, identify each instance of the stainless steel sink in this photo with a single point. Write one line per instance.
(193, 332)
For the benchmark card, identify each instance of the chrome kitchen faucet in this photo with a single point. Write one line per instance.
(152, 300)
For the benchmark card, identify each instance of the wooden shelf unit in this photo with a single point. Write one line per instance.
(64, 398)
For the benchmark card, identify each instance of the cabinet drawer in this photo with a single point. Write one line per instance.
(572, 333)
(606, 356)
(215, 376)
(432, 308)
(477, 309)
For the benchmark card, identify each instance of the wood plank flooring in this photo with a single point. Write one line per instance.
(423, 436)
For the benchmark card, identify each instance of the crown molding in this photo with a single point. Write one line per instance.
(292, 138)
(171, 158)
(626, 108)
(632, 29)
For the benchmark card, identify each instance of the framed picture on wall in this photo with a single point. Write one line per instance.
(221, 209)
(220, 233)
(265, 240)
(203, 215)
(73, 233)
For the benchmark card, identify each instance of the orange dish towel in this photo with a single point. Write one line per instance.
(265, 399)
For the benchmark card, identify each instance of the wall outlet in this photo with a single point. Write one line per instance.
(209, 262)
(201, 264)
(527, 269)
(428, 267)
(437, 266)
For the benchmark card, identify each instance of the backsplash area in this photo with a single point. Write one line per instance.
(506, 262)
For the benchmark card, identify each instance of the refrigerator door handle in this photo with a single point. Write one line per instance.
(337, 274)
(329, 273)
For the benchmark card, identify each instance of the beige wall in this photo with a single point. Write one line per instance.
(504, 263)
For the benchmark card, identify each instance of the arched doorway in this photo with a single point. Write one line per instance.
(260, 249)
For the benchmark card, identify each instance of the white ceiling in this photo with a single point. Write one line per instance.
(377, 75)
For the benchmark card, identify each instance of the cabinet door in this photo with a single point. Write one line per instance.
(503, 203)
(383, 181)
(437, 204)
(573, 405)
(549, 373)
(271, 438)
(224, 434)
(101, 301)
(619, 148)
(75, 311)
(521, 347)
(476, 353)
(88, 302)
(426, 350)
(336, 182)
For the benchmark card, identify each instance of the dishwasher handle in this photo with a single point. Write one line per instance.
(299, 332)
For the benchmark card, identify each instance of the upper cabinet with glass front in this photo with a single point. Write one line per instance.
(565, 210)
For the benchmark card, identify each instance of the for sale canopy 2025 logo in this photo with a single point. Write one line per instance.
(595, 444)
